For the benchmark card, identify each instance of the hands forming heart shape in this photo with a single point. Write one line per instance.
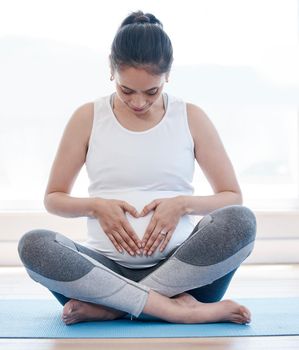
(111, 214)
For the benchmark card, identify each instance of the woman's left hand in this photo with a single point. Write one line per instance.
(164, 220)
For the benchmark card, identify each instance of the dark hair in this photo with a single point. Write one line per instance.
(141, 42)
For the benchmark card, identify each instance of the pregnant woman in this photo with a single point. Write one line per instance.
(143, 253)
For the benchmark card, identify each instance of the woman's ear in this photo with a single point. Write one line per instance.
(110, 65)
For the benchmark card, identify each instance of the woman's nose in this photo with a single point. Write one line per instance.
(138, 102)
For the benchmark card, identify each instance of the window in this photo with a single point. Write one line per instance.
(235, 59)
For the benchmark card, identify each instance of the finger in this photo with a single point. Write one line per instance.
(149, 207)
(130, 209)
(152, 238)
(131, 243)
(165, 241)
(156, 243)
(131, 233)
(122, 241)
(159, 238)
(113, 240)
(148, 232)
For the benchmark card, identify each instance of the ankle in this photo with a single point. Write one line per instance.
(182, 313)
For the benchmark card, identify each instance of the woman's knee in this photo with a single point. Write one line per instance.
(52, 255)
(237, 219)
(32, 245)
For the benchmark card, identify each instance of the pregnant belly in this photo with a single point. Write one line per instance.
(97, 238)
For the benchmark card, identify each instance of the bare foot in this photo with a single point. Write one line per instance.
(75, 311)
(222, 311)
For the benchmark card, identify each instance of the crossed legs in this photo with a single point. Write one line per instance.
(215, 249)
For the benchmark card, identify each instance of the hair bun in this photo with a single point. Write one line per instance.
(140, 17)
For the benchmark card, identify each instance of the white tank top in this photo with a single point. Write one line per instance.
(138, 167)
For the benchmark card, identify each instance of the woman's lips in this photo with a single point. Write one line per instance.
(138, 109)
(143, 109)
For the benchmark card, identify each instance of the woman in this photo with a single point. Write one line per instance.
(143, 253)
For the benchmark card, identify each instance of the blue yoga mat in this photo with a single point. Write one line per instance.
(42, 319)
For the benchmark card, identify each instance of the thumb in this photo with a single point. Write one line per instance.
(149, 207)
(130, 209)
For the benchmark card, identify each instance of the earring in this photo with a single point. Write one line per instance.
(111, 78)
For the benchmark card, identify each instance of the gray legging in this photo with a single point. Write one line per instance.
(202, 265)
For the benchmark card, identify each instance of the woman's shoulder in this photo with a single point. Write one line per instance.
(80, 122)
(193, 111)
(196, 115)
(200, 124)
(83, 114)
(85, 109)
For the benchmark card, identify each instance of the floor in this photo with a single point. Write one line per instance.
(249, 281)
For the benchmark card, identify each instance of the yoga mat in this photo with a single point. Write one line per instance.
(42, 319)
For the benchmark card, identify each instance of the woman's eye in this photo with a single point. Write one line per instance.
(149, 93)
(153, 92)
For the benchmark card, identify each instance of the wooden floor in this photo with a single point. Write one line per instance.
(249, 281)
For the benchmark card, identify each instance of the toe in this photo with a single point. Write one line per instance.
(70, 321)
(239, 320)
(245, 312)
(67, 309)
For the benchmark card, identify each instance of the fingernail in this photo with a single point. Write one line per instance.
(143, 244)
(139, 245)
(132, 253)
(150, 252)
(138, 252)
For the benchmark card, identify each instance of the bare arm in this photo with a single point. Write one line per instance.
(70, 157)
(215, 164)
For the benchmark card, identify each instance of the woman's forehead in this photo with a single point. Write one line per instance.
(139, 79)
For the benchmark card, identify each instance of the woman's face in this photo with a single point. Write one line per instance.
(138, 89)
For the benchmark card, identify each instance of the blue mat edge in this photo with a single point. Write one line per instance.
(240, 300)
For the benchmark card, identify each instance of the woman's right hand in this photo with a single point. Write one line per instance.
(111, 214)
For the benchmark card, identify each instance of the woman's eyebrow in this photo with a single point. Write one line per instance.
(153, 88)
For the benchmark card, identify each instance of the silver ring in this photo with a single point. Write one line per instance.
(163, 233)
